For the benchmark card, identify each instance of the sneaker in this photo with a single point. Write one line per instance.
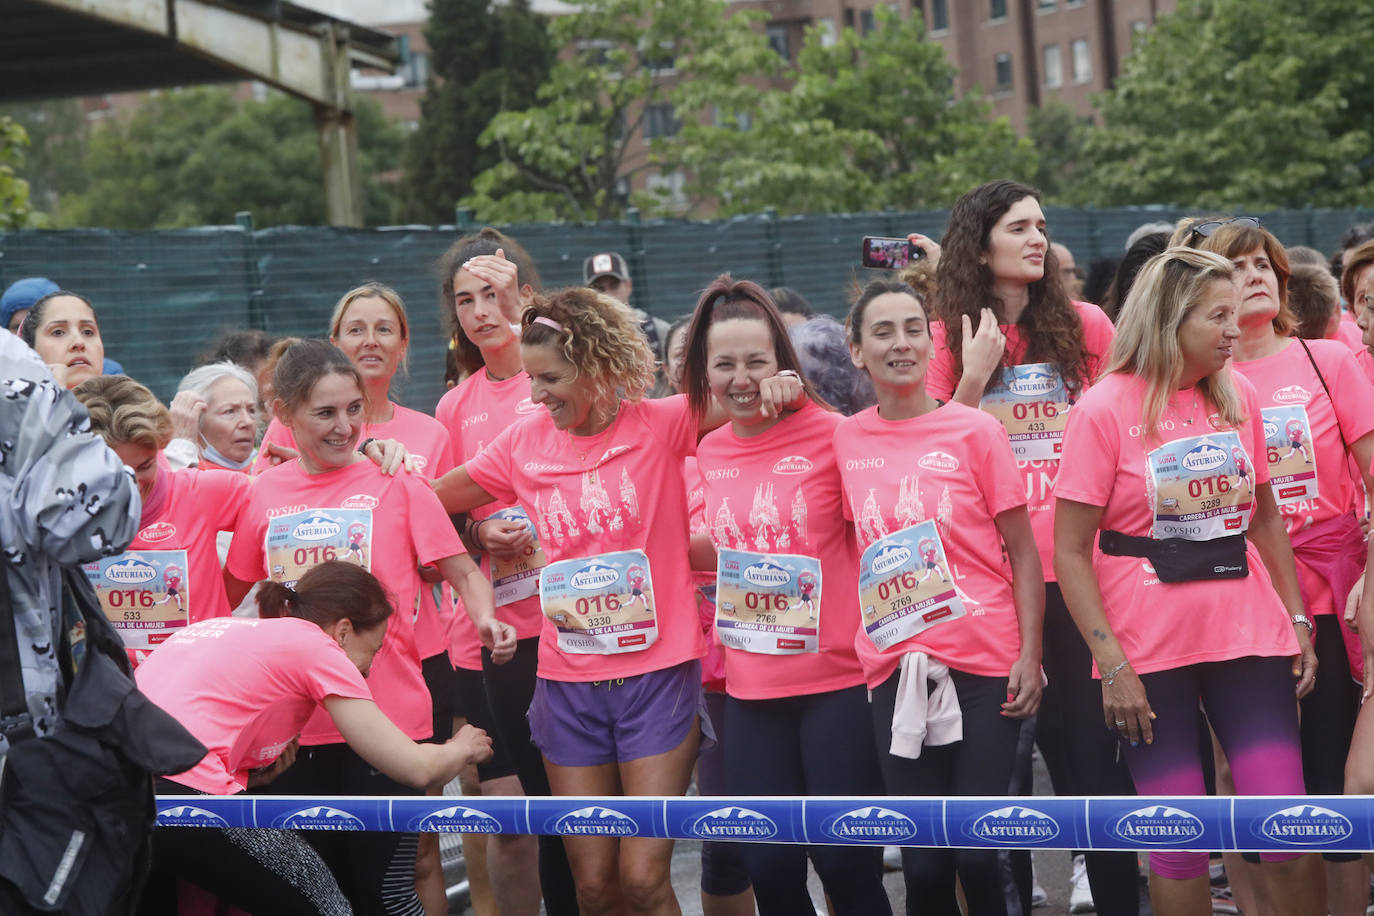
(1223, 901)
(892, 858)
(1038, 896)
(1080, 894)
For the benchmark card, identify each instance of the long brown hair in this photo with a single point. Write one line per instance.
(1049, 325)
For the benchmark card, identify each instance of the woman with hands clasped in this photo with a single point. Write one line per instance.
(1194, 595)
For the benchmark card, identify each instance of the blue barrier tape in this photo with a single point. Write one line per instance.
(1317, 823)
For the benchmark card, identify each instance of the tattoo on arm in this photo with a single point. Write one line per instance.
(1099, 634)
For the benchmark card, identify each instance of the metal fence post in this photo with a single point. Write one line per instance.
(770, 232)
(257, 317)
(462, 216)
(634, 236)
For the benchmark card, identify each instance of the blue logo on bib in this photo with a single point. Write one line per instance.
(766, 574)
(889, 557)
(130, 571)
(1204, 457)
(594, 576)
(316, 528)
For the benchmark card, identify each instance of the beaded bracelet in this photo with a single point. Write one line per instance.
(1109, 678)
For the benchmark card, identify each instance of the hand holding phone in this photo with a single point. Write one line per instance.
(889, 254)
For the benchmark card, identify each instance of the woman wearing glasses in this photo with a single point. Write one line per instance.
(1193, 597)
(1318, 408)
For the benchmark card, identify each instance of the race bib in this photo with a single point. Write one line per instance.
(768, 603)
(1203, 486)
(1032, 403)
(1292, 458)
(299, 542)
(144, 593)
(512, 580)
(601, 605)
(905, 585)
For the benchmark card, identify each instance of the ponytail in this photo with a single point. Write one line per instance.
(333, 591)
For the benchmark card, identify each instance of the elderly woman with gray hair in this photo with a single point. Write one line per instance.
(215, 418)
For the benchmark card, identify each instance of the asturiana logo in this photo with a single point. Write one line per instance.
(364, 501)
(871, 824)
(1159, 825)
(1034, 383)
(890, 557)
(766, 575)
(1271, 429)
(158, 531)
(1204, 457)
(190, 816)
(1014, 826)
(316, 528)
(1307, 825)
(526, 406)
(320, 817)
(1293, 394)
(938, 461)
(131, 570)
(792, 464)
(737, 823)
(596, 821)
(594, 576)
(457, 819)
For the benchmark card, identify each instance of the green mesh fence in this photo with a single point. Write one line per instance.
(164, 297)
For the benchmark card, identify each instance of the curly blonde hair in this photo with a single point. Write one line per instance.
(599, 336)
(123, 411)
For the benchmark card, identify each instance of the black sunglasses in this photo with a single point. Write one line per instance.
(1212, 225)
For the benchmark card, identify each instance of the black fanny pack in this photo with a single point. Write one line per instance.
(1182, 560)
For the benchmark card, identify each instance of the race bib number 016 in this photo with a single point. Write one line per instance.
(512, 580)
(601, 605)
(768, 603)
(1203, 487)
(905, 585)
(299, 542)
(1032, 404)
(1292, 459)
(144, 593)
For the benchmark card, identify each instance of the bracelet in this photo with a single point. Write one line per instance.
(787, 373)
(1109, 678)
(476, 527)
(1303, 620)
(362, 446)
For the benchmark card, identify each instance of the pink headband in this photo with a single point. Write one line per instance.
(547, 322)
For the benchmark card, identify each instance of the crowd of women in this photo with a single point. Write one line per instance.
(834, 562)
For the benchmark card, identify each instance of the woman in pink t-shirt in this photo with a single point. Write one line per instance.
(1191, 596)
(615, 709)
(953, 661)
(300, 514)
(787, 584)
(245, 688)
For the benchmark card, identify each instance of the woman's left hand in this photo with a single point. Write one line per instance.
(1305, 662)
(504, 278)
(186, 409)
(264, 775)
(499, 637)
(783, 391)
(389, 455)
(1023, 689)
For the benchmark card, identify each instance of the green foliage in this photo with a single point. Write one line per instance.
(14, 191)
(1230, 104)
(484, 59)
(1058, 134)
(58, 134)
(196, 157)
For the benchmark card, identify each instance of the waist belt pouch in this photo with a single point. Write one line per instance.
(1182, 560)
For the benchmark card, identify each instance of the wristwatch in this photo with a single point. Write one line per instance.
(1305, 621)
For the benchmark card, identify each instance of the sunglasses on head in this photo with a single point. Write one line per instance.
(1205, 229)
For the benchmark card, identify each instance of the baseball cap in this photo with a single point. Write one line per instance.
(606, 264)
(22, 294)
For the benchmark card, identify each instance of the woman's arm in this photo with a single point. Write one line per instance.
(467, 580)
(1028, 593)
(235, 588)
(1125, 707)
(377, 740)
(1267, 533)
(459, 492)
(982, 353)
(776, 394)
(701, 553)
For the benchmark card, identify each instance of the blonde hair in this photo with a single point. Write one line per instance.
(601, 337)
(122, 411)
(1232, 240)
(1166, 291)
(373, 290)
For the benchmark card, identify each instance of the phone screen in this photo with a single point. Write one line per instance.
(889, 254)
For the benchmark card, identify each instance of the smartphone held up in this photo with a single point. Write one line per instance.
(889, 254)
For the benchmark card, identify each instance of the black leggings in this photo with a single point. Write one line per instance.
(1328, 716)
(1079, 752)
(984, 762)
(265, 872)
(509, 689)
(813, 744)
(375, 870)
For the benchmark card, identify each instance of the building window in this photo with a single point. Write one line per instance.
(742, 120)
(867, 22)
(660, 121)
(939, 15)
(1047, 6)
(1054, 67)
(670, 187)
(1002, 63)
(1082, 61)
(997, 10)
(826, 29)
(778, 40)
(1140, 25)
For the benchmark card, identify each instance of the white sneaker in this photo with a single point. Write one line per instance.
(1080, 894)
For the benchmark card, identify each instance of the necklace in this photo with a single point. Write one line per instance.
(1186, 421)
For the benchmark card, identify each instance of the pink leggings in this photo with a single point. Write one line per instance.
(1253, 710)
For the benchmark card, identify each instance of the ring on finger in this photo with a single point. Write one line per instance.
(1120, 723)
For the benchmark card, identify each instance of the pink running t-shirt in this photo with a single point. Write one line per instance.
(1164, 625)
(1038, 474)
(474, 413)
(713, 663)
(618, 490)
(244, 688)
(404, 526)
(1348, 332)
(779, 493)
(954, 466)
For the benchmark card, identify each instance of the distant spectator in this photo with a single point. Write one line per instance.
(1144, 248)
(1352, 238)
(1303, 254)
(246, 347)
(1099, 279)
(215, 418)
(823, 349)
(793, 305)
(608, 273)
(1145, 229)
(1069, 272)
(20, 297)
(62, 329)
(1314, 299)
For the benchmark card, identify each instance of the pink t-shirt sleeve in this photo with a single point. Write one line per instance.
(997, 474)
(493, 468)
(1098, 332)
(1252, 432)
(431, 531)
(1354, 397)
(223, 496)
(1091, 452)
(940, 381)
(247, 560)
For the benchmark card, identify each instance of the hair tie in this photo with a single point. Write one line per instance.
(547, 322)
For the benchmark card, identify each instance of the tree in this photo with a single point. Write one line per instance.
(633, 69)
(485, 58)
(1241, 103)
(1058, 134)
(14, 191)
(58, 134)
(196, 157)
